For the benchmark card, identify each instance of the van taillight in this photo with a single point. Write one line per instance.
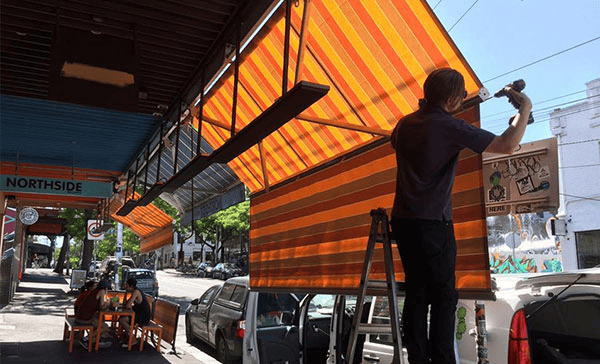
(518, 343)
(240, 329)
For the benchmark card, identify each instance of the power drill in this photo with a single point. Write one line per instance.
(518, 86)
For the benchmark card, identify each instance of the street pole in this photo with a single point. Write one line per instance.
(118, 253)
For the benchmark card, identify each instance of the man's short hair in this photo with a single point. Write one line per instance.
(132, 282)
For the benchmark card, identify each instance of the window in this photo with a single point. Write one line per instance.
(239, 293)
(208, 295)
(275, 309)
(381, 315)
(588, 248)
(227, 291)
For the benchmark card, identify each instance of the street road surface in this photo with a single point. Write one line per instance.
(182, 289)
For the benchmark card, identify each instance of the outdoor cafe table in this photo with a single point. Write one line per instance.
(115, 315)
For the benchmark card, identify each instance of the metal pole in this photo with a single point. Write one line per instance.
(286, 46)
(235, 79)
(118, 253)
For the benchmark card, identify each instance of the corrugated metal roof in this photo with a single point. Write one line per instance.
(79, 136)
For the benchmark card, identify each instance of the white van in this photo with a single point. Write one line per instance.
(535, 319)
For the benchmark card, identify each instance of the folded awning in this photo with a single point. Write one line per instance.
(152, 225)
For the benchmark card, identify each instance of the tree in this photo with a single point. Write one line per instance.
(225, 225)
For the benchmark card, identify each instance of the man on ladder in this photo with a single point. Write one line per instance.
(427, 144)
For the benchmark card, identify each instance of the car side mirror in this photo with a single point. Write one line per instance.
(195, 302)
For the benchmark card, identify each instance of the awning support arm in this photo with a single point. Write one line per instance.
(302, 40)
(337, 124)
(236, 79)
(286, 46)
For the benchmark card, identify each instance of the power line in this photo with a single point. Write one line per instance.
(541, 102)
(462, 16)
(539, 60)
(545, 117)
(584, 165)
(581, 141)
(436, 5)
(581, 197)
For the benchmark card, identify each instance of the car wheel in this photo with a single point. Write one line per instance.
(223, 351)
(189, 338)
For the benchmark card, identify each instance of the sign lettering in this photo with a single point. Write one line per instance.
(55, 186)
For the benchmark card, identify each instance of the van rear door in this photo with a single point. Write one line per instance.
(271, 331)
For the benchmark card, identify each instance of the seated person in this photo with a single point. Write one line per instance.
(90, 305)
(138, 303)
(85, 291)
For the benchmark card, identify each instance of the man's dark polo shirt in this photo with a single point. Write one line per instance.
(427, 144)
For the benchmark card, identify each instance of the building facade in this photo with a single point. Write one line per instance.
(577, 129)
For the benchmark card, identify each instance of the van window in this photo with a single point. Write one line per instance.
(381, 315)
(275, 309)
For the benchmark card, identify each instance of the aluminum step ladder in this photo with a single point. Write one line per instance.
(380, 233)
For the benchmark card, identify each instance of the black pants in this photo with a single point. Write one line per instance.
(428, 252)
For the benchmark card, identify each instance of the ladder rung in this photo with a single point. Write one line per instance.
(379, 288)
(374, 329)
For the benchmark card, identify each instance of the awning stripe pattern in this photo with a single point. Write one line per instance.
(374, 57)
(311, 234)
(311, 202)
(152, 225)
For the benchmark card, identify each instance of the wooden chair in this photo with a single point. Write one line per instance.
(150, 327)
(71, 327)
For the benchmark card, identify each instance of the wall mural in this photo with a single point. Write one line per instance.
(522, 243)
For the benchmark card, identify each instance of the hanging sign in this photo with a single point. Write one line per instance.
(93, 227)
(51, 186)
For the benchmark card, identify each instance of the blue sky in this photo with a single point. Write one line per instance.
(497, 37)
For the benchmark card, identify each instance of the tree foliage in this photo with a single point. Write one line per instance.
(229, 224)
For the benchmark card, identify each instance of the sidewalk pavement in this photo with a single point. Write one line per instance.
(31, 329)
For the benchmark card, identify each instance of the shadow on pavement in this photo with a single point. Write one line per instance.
(57, 352)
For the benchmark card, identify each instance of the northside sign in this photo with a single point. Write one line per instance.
(50, 186)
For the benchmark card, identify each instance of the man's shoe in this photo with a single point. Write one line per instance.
(104, 344)
(126, 345)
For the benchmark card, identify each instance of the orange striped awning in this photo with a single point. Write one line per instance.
(374, 58)
(311, 234)
(152, 225)
(315, 180)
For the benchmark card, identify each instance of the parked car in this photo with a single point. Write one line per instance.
(204, 269)
(146, 280)
(224, 313)
(108, 264)
(225, 271)
(536, 319)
